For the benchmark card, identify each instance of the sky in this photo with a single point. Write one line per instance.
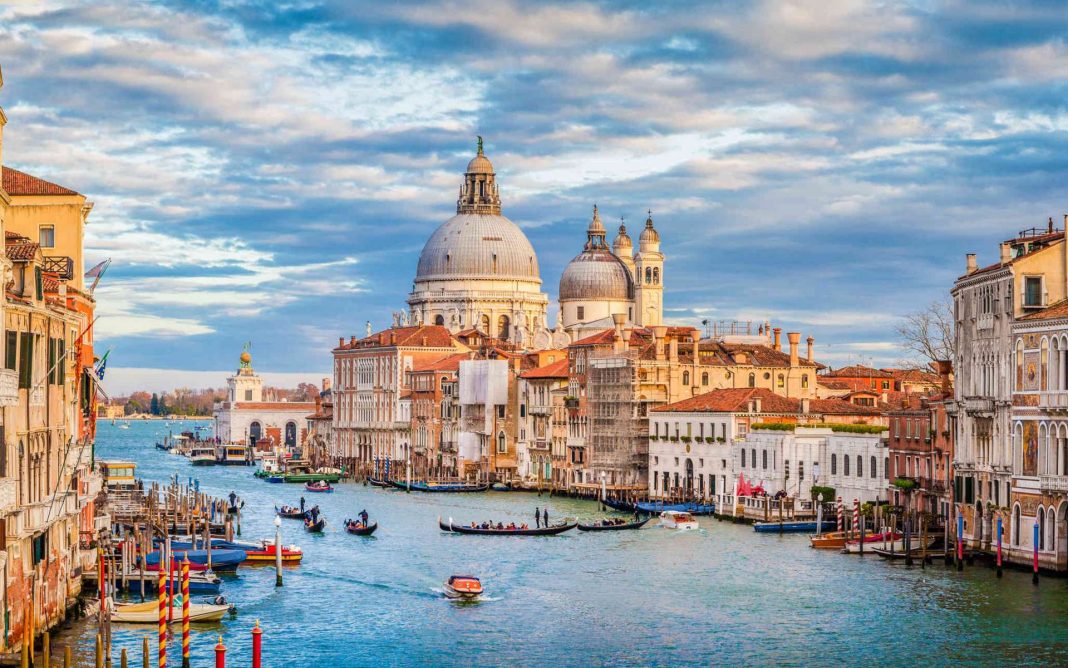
(269, 172)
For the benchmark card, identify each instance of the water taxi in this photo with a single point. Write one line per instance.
(117, 474)
(674, 519)
(233, 454)
(202, 455)
(832, 540)
(464, 587)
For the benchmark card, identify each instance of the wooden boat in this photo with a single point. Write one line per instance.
(358, 529)
(221, 560)
(464, 587)
(318, 487)
(379, 483)
(897, 544)
(148, 612)
(548, 531)
(289, 512)
(315, 526)
(832, 540)
(658, 507)
(852, 545)
(790, 527)
(615, 504)
(678, 520)
(439, 487)
(614, 527)
(260, 551)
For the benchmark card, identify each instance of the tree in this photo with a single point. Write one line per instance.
(306, 392)
(154, 406)
(927, 335)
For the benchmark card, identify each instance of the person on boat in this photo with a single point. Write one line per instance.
(233, 498)
(363, 516)
(636, 518)
(537, 516)
(500, 526)
(545, 517)
(302, 504)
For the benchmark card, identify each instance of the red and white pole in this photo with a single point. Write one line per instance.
(841, 516)
(856, 515)
(185, 612)
(163, 600)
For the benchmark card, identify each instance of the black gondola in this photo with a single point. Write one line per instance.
(550, 531)
(289, 512)
(315, 526)
(351, 527)
(439, 488)
(379, 483)
(616, 504)
(614, 527)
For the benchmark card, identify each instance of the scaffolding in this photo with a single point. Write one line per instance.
(619, 428)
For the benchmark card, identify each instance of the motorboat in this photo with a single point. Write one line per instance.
(148, 612)
(258, 551)
(832, 540)
(318, 486)
(692, 508)
(676, 519)
(883, 539)
(791, 527)
(233, 454)
(202, 455)
(464, 587)
(221, 560)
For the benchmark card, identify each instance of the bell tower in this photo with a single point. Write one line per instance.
(649, 275)
(479, 194)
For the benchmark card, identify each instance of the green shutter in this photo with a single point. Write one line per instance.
(61, 368)
(11, 358)
(25, 360)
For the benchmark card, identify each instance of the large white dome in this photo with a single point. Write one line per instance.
(482, 246)
(596, 274)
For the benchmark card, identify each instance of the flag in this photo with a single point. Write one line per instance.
(97, 272)
(102, 364)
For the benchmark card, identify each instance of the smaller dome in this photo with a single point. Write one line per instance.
(596, 227)
(480, 164)
(649, 234)
(595, 275)
(622, 241)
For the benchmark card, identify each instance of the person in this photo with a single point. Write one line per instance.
(363, 516)
(537, 516)
(545, 517)
(302, 504)
(636, 518)
(233, 499)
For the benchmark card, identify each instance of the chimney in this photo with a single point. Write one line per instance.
(1006, 252)
(777, 341)
(971, 266)
(659, 332)
(382, 339)
(326, 384)
(806, 405)
(945, 371)
(795, 338)
(422, 340)
(696, 351)
(811, 342)
(352, 341)
(673, 349)
(340, 341)
(626, 339)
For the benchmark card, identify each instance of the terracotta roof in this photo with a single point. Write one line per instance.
(301, 406)
(856, 371)
(717, 353)
(840, 407)
(833, 384)
(1048, 239)
(22, 250)
(447, 363)
(607, 336)
(557, 369)
(21, 183)
(425, 336)
(915, 376)
(1051, 312)
(733, 400)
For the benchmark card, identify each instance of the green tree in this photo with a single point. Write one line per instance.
(155, 407)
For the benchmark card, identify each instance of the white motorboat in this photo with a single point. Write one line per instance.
(674, 519)
(148, 612)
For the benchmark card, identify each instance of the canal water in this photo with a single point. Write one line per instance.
(724, 595)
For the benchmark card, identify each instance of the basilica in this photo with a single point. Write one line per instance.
(479, 271)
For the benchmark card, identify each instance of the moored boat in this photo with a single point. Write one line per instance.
(439, 487)
(148, 613)
(505, 531)
(318, 487)
(658, 507)
(275, 478)
(616, 504)
(832, 540)
(379, 483)
(311, 476)
(790, 527)
(202, 455)
(675, 519)
(625, 526)
(233, 454)
(360, 529)
(221, 560)
(465, 587)
(262, 550)
(897, 544)
(852, 546)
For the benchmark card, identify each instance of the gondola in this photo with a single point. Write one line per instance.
(351, 527)
(614, 527)
(289, 512)
(379, 483)
(550, 531)
(316, 526)
(439, 488)
(615, 504)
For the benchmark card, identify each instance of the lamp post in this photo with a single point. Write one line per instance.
(819, 513)
(604, 488)
(408, 467)
(277, 551)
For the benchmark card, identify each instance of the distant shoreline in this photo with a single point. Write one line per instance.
(159, 417)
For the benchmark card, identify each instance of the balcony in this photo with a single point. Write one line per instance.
(540, 444)
(8, 497)
(984, 321)
(9, 387)
(979, 406)
(1053, 483)
(61, 265)
(1053, 401)
(540, 410)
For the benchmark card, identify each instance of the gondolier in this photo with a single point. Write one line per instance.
(537, 517)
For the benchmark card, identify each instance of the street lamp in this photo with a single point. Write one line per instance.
(604, 489)
(277, 551)
(819, 514)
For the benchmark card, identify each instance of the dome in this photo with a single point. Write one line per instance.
(649, 234)
(622, 243)
(596, 226)
(595, 274)
(480, 164)
(474, 245)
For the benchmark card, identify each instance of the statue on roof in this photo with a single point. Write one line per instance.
(480, 144)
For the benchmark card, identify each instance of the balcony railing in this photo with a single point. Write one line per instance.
(61, 265)
(1053, 401)
(541, 410)
(1053, 483)
(979, 405)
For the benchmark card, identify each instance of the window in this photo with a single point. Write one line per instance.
(743, 458)
(704, 378)
(800, 470)
(522, 410)
(500, 411)
(834, 464)
(786, 468)
(886, 385)
(25, 360)
(764, 457)
(780, 381)
(804, 380)
(581, 313)
(656, 275)
(11, 351)
(874, 467)
(248, 395)
(845, 465)
(752, 456)
(1033, 291)
(685, 377)
(502, 447)
(439, 320)
(752, 380)
(39, 280)
(860, 466)
(46, 236)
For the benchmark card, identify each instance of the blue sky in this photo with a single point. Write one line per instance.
(269, 172)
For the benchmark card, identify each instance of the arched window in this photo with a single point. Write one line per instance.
(685, 377)
(752, 380)
(1041, 529)
(291, 434)
(484, 324)
(255, 431)
(845, 465)
(1016, 524)
(860, 466)
(743, 458)
(656, 275)
(502, 447)
(752, 456)
(439, 319)
(764, 458)
(503, 327)
(648, 275)
(834, 464)
(780, 381)
(1043, 368)
(1019, 364)
(874, 467)
(704, 378)
(1051, 529)
(804, 380)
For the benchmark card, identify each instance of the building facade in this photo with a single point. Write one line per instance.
(246, 417)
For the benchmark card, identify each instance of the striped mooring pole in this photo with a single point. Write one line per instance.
(162, 616)
(999, 545)
(185, 611)
(841, 516)
(1034, 575)
(856, 515)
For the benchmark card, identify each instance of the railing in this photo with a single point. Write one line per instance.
(540, 410)
(9, 387)
(1053, 400)
(978, 404)
(1053, 483)
(61, 265)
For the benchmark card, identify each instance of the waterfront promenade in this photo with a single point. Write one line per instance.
(724, 595)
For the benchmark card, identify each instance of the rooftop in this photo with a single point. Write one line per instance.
(21, 183)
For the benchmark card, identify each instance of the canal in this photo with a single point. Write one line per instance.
(723, 595)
